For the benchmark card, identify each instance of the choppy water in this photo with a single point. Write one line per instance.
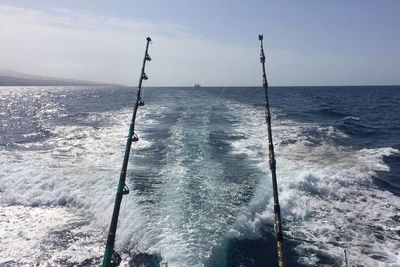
(199, 177)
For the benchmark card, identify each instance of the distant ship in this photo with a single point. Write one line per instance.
(197, 85)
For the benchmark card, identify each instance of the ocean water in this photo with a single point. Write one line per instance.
(199, 176)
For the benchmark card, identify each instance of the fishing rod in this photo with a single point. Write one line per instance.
(272, 163)
(112, 258)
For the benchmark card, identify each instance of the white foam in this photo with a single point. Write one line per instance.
(71, 176)
(160, 225)
(25, 231)
(327, 192)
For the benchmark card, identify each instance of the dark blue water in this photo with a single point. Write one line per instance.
(199, 178)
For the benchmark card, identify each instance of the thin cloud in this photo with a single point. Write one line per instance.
(91, 46)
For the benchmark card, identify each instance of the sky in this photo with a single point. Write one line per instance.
(212, 42)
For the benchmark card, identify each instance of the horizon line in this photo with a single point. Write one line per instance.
(208, 86)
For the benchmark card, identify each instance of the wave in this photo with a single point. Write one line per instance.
(71, 176)
(327, 193)
(198, 176)
(354, 127)
(331, 113)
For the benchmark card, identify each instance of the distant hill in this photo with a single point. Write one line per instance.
(12, 78)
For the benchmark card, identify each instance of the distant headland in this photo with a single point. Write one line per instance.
(13, 78)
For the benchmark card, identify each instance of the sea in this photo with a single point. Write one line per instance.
(199, 180)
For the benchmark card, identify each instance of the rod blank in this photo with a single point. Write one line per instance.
(272, 163)
(112, 258)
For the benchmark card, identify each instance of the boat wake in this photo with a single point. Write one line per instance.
(200, 185)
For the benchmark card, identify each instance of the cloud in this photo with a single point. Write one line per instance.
(92, 46)
(104, 48)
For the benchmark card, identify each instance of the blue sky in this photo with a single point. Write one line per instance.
(211, 42)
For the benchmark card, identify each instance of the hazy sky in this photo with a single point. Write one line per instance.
(213, 42)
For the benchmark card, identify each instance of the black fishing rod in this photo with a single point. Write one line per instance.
(112, 258)
(272, 163)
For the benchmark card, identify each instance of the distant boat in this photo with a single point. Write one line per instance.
(197, 85)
